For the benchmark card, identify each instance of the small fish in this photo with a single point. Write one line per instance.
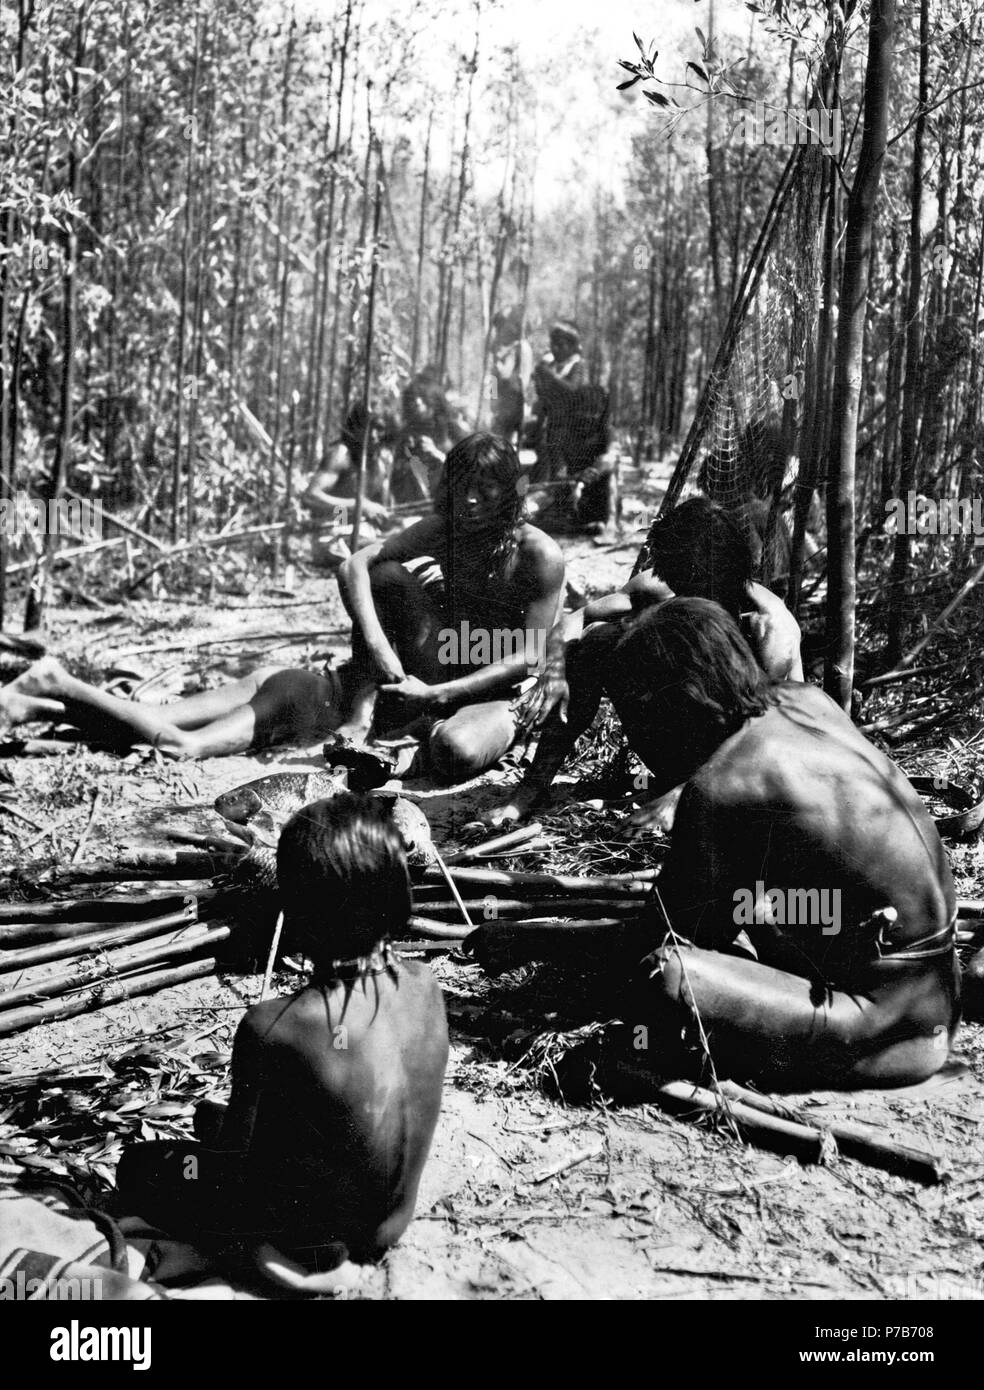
(280, 795)
(269, 802)
(414, 826)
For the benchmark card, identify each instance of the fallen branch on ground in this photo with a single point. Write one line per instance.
(635, 884)
(510, 909)
(95, 909)
(113, 963)
(853, 1140)
(203, 543)
(132, 865)
(71, 947)
(510, 840)
(107, 992)
(279, 634)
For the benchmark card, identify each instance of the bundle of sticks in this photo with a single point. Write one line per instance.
(117, 947)
(106, 950)
(113, 948)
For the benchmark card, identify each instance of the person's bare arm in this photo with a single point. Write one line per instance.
(560, 734)
(353, 580)
(773, 633)
(540, 573)
(321, 502)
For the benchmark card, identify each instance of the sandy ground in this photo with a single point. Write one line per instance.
(524, 1197)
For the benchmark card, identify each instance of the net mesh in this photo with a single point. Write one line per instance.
(743, 446)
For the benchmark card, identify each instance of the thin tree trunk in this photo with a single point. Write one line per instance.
(192, 133)
(421, 250)
(319, 298)
(38, 591)
(323, 416)
(839, 666)
(370, 328)
(342, 240)
(278, 385)
(913, 352)
(812, 434)
(445, 328)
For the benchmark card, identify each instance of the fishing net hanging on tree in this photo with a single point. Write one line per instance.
(743, 445)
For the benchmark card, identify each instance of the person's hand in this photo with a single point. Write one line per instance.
(550, 693)
(412, 691)
(427, 449)
(510, 812)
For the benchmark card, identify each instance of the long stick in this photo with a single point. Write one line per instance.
(853, 1140)
(108, 992)
(547, 907)
(281, 634)
(98, 909)
(274, 948)
(117, 521)
(98, 941)
(437, 931)
(938, 622)
(546, 885)
(682, 1097)
(131, 865)
(498, 842)
(113, 963)
(453, 886)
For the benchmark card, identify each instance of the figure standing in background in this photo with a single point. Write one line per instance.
(512, 371)
(558, 374)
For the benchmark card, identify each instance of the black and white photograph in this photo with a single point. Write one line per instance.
(491, 652)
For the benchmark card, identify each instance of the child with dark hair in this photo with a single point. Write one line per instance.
(452, 614)
(335, 1090)
(695, 550)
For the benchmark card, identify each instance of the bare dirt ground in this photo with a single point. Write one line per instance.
(524, 1197)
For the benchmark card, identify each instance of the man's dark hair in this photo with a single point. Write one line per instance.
(354, 429)
(688, 672)
(701, 553)
(481, 454)
(342, 872)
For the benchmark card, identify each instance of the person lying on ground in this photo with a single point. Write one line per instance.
(696, 550)
(275, 704)
(450, 616)
(336, 1089)
(793, 829)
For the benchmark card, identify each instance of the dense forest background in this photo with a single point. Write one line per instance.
(197, 203)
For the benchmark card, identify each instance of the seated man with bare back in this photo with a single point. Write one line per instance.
(796, 831)
(275, 704)
(695, 550)
(451, 616)
(335, 1090)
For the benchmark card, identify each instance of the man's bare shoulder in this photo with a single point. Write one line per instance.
(756, 766)
(802, 742)
(539, 551)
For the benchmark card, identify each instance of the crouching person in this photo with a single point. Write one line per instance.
(313, 1166)
(802, 926)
